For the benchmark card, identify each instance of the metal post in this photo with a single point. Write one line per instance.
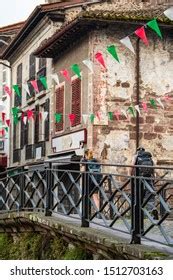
(49, 182)
(136, 209)
(85, 199)
(22, 187)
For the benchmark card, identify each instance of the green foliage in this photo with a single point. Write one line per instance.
(5, 244)
(54, 248)
(76, 253)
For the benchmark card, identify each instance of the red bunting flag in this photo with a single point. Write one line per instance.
(144, 106)
(100, 59)
(8, 122)
(2, 131)
(35, 85)
(3, 117)
(71, 118)
(30, 114)
(7, 90)
(117, 115)
(66, 74)
(140, 32)
(98, 115)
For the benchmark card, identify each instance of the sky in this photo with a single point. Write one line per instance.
(12, 11)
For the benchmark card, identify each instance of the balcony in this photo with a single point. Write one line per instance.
(29, 152)
(16, 155)
(40, 150)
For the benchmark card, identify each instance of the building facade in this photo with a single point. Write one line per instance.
(7, 33)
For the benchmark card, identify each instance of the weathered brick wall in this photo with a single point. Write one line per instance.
(115, 89)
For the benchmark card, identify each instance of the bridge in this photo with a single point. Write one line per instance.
(111, 215)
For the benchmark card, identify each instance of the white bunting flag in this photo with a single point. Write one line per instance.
(137, 109)
(55, 78)
(124, 113)
(85, 118)
(89, 64)
(126, 42)
(169, 13)
(160, 102)
(44, 115)
(25, 120)
(26, 88)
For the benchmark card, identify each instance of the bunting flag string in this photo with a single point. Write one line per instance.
(100, 59)
(75, 68)
(112, 50)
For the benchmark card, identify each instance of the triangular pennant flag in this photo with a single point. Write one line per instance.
(17, 90)
(110, 115)
(160, 102)
(26, 88)
(112, 50)
(30, 114)
(124, 112)
(100, 59)
(2, 132)
(153, 103)
(55, 78)
(98, 115)
(43, 80)
(92, 117)
(137, 109)
(117, 115)
(127, 42)
(66, 74)
(167, 98)
(8, 122)
(44, 115)
(89, 64)
(6, 128)
(25, 120)
(75, 68)
(144, 106)
(169, 13)
(132, 111)
(7, 90)
(3, 117)
(154, 26)
(35, 85)
(16, 119)
(15, 111)
(140, 32)
(85, 118)
(58, 117)
(71, 118)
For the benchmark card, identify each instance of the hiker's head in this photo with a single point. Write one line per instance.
(90, 154)
(139, 149)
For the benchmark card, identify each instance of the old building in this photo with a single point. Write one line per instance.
(7, 33)
(137, 79)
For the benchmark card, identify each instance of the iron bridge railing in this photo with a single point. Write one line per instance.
(135, 205)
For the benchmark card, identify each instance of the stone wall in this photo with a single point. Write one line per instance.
(114, 89)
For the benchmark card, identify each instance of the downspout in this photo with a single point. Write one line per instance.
(137, 89)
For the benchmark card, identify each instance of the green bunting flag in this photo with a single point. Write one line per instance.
(112, 50)
(6, 128)
(58, 117)
(110, 115)
(15, 110)
(75, 68)
(153, 103)
(16, 119)
(17, 90)
(154, 26)
(43, 80)
(92, 116)
(132, 111)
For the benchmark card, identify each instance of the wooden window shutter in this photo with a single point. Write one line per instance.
(36, 132)
(18, 99)
(22, 134)
(26, 133)
(59, 93)
(14, 136)
(76, 101)
(46, 128)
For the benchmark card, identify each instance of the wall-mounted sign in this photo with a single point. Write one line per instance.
(71, 141)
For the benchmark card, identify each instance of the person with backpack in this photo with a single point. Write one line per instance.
(95, 178)
(144, 159)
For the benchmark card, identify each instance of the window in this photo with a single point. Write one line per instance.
(59, 103)
(46, 124)
(16, 135)
(32, 72)
(18, 99)
(76, 101)
(4, 79)
(41, 73)
(23, 133)
(1, 145)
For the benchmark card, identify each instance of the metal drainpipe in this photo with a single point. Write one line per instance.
(137, 90)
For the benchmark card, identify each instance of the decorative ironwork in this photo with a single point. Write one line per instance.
(113, 199)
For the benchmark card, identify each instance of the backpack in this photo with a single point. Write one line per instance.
(95, 168)
(145, 158)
